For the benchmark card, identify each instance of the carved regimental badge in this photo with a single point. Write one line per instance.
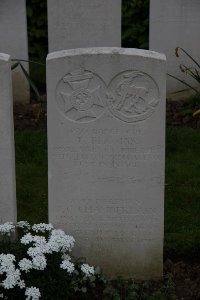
(79, 96)
(132, 96)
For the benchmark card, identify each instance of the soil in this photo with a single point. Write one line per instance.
(186, 276)
(31, 116)
(186, 273)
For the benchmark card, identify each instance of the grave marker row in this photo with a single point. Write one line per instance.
(94, 23)
(106, 145)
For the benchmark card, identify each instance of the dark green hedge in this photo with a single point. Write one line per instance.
(37, 29)
(135, 23)
(37, 40)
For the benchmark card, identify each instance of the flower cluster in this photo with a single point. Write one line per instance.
(32, 293)
(24, 225)
(38, 248)
(7, 228)
(87, 270)
(67, 265)
(42, 227)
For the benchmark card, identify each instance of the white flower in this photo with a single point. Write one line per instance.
(67, 265)
(32, 293)
(39, 240)
(25, 265)
(66, 256)
(6, 263)
(34, 251)
(87, 270)
(21, 284)
(57, 232)
(7, 228)
(39, 250)
(53, 246)
(8, 257)
(12, 279)
(23, 224)
(39, 262)
(26, 239)
(59, 241)
(46, 249)
(42, 227)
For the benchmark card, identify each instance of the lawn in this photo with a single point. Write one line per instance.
(182, 189)
(182, 192)
(31, 175)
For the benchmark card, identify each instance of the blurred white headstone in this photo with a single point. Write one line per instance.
(83, 23)
(172, 24)
(14, 41)
(8, 210)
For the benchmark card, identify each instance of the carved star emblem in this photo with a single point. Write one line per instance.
(82, 102)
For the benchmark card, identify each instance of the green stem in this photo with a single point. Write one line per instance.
(29, 61)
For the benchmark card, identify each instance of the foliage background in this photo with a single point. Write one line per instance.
(37, 40)
(135, 29)
(135, 23)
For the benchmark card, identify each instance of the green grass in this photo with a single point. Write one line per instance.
(182, 194)
(31, 175)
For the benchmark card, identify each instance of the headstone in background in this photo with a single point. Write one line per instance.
(13, 40)
(106, 145)
(172, 24)
(8, 210)
(83, 23)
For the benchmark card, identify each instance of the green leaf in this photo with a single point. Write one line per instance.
(14, 66)
(84, 290)
(98, 270)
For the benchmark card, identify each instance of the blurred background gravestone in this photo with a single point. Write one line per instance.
(13, 40)
(172, 24)
(8, 210)
(83, 23)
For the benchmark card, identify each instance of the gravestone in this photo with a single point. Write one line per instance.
(106, 141)
(7, 164)
(172, 24)
(13, 37)
(83, 23)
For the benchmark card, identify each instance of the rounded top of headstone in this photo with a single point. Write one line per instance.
(4, 57)
(107, 50)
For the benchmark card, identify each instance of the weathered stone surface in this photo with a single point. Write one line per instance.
(13, 40)
(172, 24)
(83, 23)
(8, 209)
(106, 141)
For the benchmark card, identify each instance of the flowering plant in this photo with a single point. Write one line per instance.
(36, 263)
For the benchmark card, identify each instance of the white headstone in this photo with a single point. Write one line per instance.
(172, 24)
(13, 40)
(106, 141)
(84, 23)
(8, 209)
